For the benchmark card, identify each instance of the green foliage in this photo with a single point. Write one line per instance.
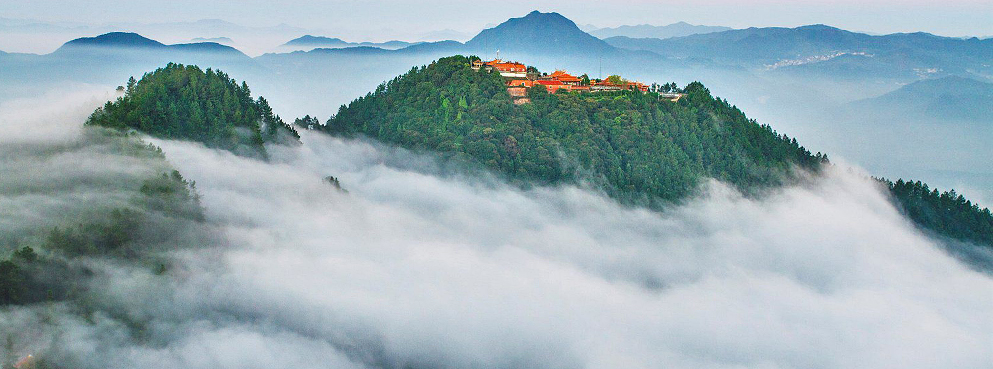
(122, 233)
(307, 122)
(638, 146)
(97, 237)
(946, 213)
(173, 195)
(11, 282)
(25, 254)
(184, 102)
(616, 80)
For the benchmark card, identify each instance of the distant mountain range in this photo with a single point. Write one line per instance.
(770, 44)
(951, 97)
(550, 40)
(126, 41)
(820, 49)
(678, 29)
(220, 40)
(113, 39)
(215, 26)
(107, 57)
(313, 42)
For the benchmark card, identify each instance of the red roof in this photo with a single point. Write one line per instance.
(563, 76)
(521, 82)
(503, 66)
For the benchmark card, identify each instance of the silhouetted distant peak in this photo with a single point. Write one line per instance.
(677, 29)
(212, 47)
(818, 26)
(538, 32)
(124, 41)
(548, 17)
(308, 40)
(116, 39)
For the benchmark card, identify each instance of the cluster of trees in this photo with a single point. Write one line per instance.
(666, 88)
(13, 275)
(185, 102)
(946, 213)
(639, 147)
(307, 122)
(51, 274)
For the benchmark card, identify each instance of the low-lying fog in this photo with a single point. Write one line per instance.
(422, 265)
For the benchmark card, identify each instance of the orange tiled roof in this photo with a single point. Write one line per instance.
(563, 76)
(503, 66)
(521, 82)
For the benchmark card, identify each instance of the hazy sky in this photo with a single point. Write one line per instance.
(396, 19)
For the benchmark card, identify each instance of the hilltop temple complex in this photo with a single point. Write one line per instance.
(520, 78)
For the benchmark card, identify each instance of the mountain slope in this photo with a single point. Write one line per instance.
(538, 33)
(113, 39)
(138, 46)
(308, 41)
(820, 45)
(950, 97)
(640, 149)
(678, 29)
(945, 213)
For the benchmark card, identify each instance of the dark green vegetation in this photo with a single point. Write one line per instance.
(51, 263)
(945, 213)
(176, 102)
(185, 102)
(637, 146)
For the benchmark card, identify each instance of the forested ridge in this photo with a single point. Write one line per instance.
(639, 147)
(50, 264)
(185, 102)
(945, 213)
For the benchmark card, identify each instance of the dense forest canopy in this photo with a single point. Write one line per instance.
(945, 213)
(185, 102)
(639, 147)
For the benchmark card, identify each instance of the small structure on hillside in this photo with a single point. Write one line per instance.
(505, 68)
(563, 77)
(519, 80)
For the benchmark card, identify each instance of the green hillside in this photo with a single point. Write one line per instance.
(185, 102)
(945, 213)
(638, 147)
(139, 217)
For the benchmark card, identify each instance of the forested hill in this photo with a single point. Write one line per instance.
(185, 102)
(945, 213)
(640, 148)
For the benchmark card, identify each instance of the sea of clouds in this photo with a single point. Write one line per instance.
(419, 265)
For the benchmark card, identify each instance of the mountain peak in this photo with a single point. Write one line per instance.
(118, 39)
(538, 32)
(535, 15)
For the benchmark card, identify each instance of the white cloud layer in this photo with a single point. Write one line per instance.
(419, 266)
